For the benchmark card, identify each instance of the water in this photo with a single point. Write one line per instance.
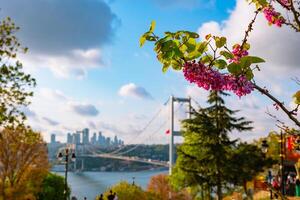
(91, 184)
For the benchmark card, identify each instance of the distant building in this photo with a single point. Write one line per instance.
(70, 138)
(76, 137)
(94, 139)
(85, 136)
(107, 142)
(53, 140)
(116, 141)
(100, 140)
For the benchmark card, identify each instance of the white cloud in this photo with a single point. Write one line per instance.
(53, 94)
(132, 90)
(83, 109)
(75, 63)
(278, 46)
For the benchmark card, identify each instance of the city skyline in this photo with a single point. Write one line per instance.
(83, 137)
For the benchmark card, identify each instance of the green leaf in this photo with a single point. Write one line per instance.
(296, 97)
(246, 61)
(168, 55)
(150, 38)
(206, 59)
(246, 46)
(192, 34)
(176, 65)
(142, 40)
(263, 2)
(220, 41)
(220, 64)
(202, 47)
(234, 68)
(249, 74)
(152, 26)
(226, 54)
(191, 44)
(165, 67)
(193, 55)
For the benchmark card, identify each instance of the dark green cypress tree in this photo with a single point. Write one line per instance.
(207, 148)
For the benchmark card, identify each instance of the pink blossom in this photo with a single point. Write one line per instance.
(211, 79)
(272, 16)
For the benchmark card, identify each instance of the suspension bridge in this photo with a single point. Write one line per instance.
(167, 124)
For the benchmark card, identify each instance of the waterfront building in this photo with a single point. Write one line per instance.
(70, 138)
(85, 136)
(53, 140)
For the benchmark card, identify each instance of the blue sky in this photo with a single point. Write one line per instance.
(92, 73)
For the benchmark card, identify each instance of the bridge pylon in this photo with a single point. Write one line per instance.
(175, 133)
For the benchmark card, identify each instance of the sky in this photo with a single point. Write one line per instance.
(92, 73)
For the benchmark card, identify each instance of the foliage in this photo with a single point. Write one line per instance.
(206, 149)
(160, 186)
(181, 50)
(126, 191)
(246, 162)
(52, 188)
(273, 145)
(24, 162)
(14, 83)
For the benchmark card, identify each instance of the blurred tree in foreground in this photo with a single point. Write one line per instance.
(52, 188)
(246, 162)
(23, 162)
(14, 83)
(125, 191)
(160, 185)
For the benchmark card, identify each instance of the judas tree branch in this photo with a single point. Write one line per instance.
(249, 29)
(280, 104)
(296, 14)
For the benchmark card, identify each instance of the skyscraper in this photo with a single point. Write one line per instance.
(116, 141)
(53, 141)
(85, 136)
(70, 138)
(76, 137)
(101, 139)
(94, 139)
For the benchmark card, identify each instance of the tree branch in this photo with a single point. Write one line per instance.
(280, 104)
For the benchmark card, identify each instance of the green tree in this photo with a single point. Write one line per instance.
(125, 191)
(207, 148)
(246, 162)
(14, 83)
(52, 188)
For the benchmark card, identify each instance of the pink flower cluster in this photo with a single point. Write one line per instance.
(285, 2)
(272, 16)
(211, 79)
(238, 53)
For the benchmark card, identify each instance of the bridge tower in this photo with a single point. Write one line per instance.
(175, 133)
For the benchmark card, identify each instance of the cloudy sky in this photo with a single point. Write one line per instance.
(91, 72)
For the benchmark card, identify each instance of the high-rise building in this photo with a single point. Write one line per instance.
(53, 141)
(107, 141)
(116, 141)
(94, 139)
(101, 139)
(85, 136)
(76, 137)
(70, 138)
